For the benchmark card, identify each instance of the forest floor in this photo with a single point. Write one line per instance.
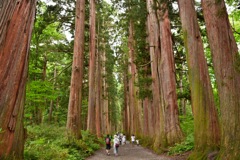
(129, 152)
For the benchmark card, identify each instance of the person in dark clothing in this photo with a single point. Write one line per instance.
(108, 144)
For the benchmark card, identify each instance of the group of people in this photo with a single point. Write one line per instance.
(118, 139)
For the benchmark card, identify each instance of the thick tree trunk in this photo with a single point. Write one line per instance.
(75, 98)
(138, 113)
(98, 102)
(151, 119)
(206, 126)
(105, 98)
(169, 108)
(153, 32)
(92, 61)
(132, 69)
(126, 122)
(225, 53)
(16, 23)
(126, 101)
(98, 89)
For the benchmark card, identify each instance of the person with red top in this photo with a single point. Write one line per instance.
(108, 144)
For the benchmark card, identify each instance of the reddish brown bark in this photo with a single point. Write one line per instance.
(224, 53)
(75, 98)
(106, 119)
(206, 126)
(146, 117)
(169, 108)
(153, 32)
(98, 89)
(15, 33)
(126, 121)
(132, 72)
(92, 61)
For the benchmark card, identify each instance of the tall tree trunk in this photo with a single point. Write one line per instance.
(145, 117)
(153, 29)
(138, 112)
(126, 100)
(225, 53)
(132, 71)
(92, 61)
(105, 97)
(98, 88)
(75, 98)
(126, 104)
(169, 108)
(206, 126)
(16, 24)
(153, 32)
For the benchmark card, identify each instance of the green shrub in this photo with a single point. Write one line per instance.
(48, 142)
(188, 143)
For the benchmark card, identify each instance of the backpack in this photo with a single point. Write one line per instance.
(107, 140)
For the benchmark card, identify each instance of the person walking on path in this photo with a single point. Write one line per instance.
(116, 144)
(133, 139)
(124, 139)
(108, 144)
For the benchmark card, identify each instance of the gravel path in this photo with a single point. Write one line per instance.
(129, 152)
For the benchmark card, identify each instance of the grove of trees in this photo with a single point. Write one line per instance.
(167, 71)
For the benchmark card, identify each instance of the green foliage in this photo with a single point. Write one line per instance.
(185, 94)
(48, 142)
(49, 68)
(188, 144)
(40, 91)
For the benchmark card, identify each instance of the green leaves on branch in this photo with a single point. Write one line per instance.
(40, 91)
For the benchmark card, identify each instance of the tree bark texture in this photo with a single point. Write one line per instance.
(92, 61)
(106, 114)
(224, 53)
(154, 48)
(16, 24)
(75, 98)
(126, 121)
(169, 108)
(132, 72)
(98, 86)
(206, 125)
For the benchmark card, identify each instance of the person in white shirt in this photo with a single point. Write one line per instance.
(133, 139)
(116, 144)
(137, 142)
(124, 139)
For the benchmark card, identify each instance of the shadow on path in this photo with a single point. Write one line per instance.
(129, 152)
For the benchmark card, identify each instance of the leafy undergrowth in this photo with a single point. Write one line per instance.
(48, 142)
(188, 143)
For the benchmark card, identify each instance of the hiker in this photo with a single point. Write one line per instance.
(116, 144)
(108, 144)
(133, 139)
(124, 139)
(120, 138)
(137, 142)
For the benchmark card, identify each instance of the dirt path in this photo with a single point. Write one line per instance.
(129, 152)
